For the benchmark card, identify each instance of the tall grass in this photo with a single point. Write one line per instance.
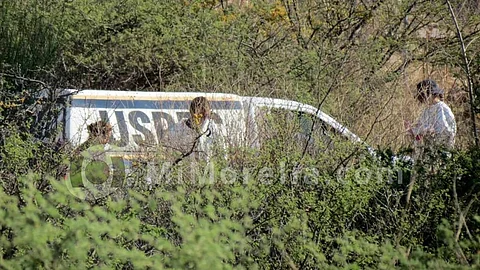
(28, 38)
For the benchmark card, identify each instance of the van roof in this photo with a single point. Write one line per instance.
(135, 95)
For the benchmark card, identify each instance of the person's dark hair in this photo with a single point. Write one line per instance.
(99, 129)
(200, 105)
(427, 88)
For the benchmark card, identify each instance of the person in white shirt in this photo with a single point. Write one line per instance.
(436, 126)
(433, 133)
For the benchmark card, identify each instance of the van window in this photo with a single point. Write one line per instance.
(296, 130)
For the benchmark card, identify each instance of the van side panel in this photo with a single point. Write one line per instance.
(143, 122)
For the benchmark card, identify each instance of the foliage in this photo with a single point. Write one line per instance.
(303, 200)
(267, 221)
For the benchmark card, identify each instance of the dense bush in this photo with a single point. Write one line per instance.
(325, 205)
(278, 219)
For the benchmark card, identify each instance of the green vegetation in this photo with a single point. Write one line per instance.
(317, 207)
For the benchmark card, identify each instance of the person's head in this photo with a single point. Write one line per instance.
(428, 90)
(200, 110)
(100, 131)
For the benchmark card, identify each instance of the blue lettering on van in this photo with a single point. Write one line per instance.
(182, 115)
(134, 117)
(158, 123)
(122, 126)
(138, 119)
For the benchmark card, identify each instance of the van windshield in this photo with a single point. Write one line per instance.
(298, 130)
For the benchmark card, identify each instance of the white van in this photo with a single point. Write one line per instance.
(140, 119)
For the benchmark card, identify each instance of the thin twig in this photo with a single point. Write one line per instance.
(467, 71)
(330, 89)
(23, 79)
(460, 253)
(185, 155)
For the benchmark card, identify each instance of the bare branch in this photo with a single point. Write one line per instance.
(467, 71)
(460, 253)
(23, 79)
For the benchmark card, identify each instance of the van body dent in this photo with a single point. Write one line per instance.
(141, 119)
